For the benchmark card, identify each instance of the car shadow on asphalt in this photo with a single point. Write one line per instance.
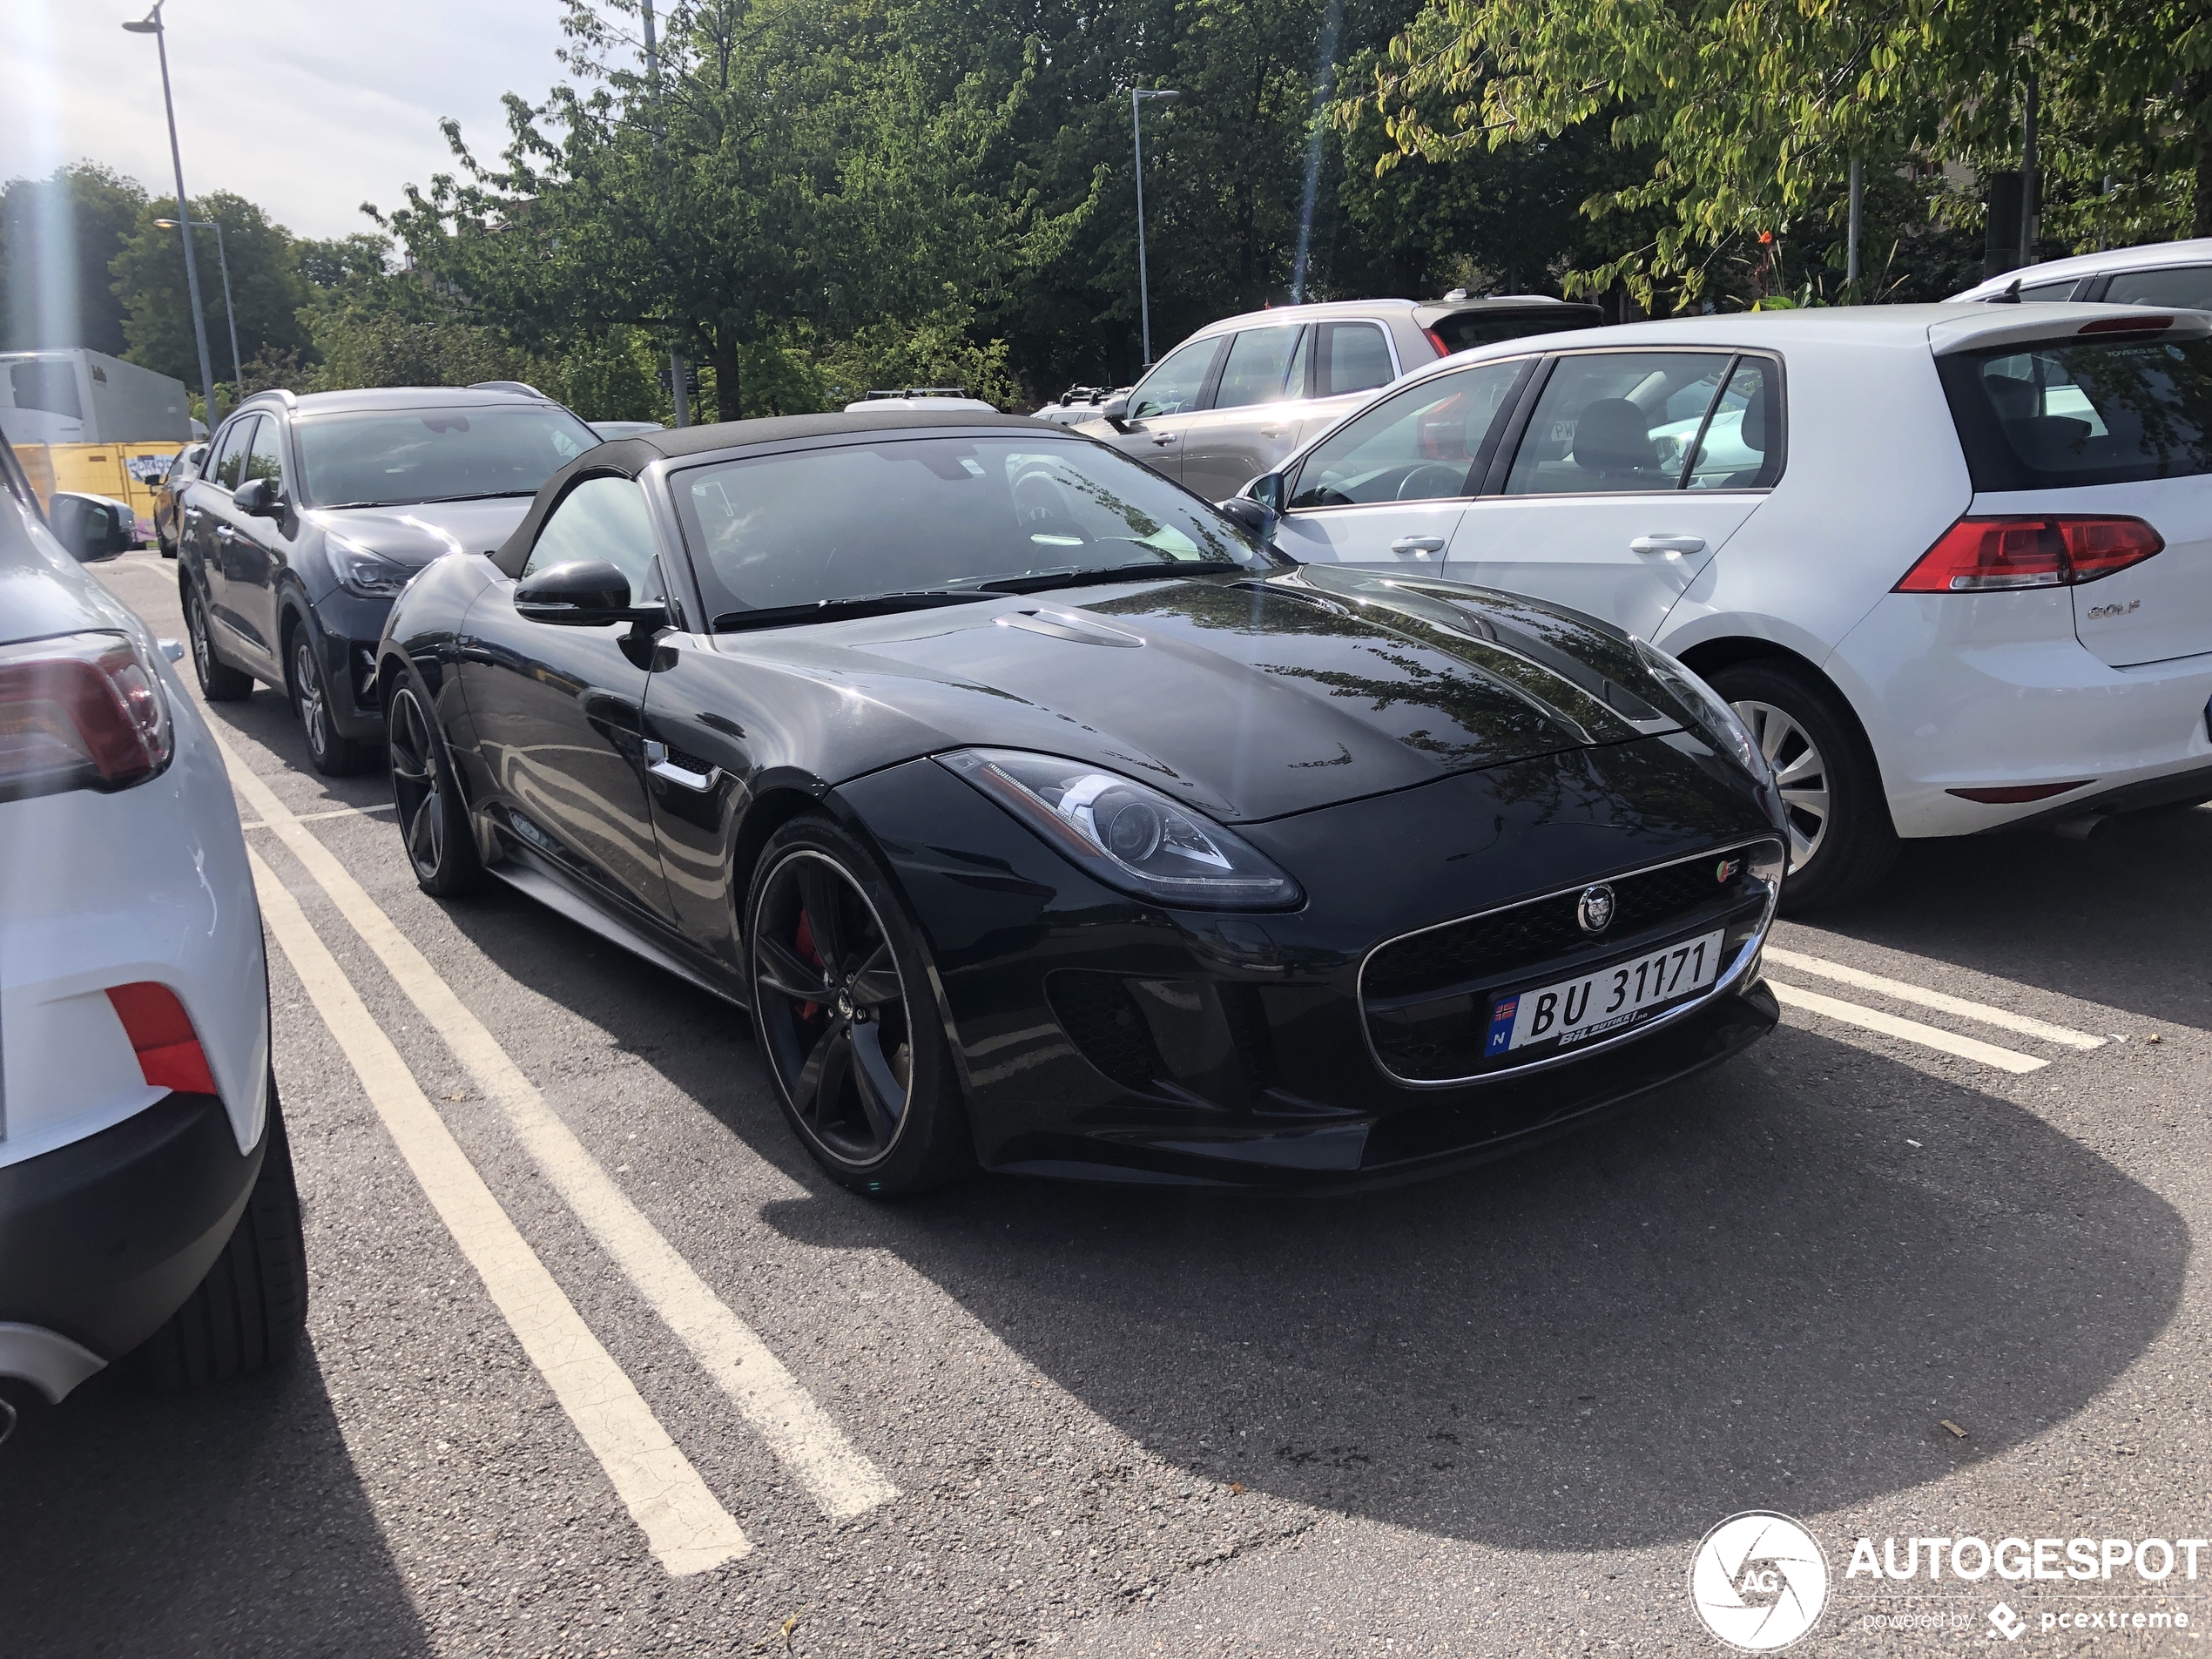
(1750, 1291)
(2117, 919)
(266, 719)
(226, 1521)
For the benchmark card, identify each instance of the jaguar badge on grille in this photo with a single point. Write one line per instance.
(1594, 909)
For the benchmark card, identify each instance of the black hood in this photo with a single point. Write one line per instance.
(414, 535)
(1251, 698)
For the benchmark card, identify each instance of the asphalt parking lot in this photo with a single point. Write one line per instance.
(1919, 1266)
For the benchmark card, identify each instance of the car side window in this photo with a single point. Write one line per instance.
(229, 463)
(600, 518)
(1616, 423)
(2047, 292)
(1173, 386)
(1420, 444)
(1258, 368)
(265, 459)
(2184, 286)
(1355, 357)
(1741, 448)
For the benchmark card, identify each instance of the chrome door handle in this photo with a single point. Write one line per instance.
(1421, 545)
(1270, 432)
(659, 766)
(1168, 440)
(1667, 544)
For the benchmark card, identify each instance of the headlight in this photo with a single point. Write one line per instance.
(1127, 835)
(364, 573)
(1714, 717)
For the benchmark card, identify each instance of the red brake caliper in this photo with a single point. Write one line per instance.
(803, 942)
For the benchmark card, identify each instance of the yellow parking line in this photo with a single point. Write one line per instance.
(686, 1527)
(1928, 999)
(841, 1480)
(1889, 1025)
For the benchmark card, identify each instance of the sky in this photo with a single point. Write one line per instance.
(309, 107)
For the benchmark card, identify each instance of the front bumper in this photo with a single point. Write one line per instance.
(1103, 1038)
(103, 1239)
(347, 629)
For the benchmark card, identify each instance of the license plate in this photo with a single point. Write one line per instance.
(1576, 1011)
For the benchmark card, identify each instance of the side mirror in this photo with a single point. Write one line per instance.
(1249, 514)
(1116, 408)
(91, 527)
(583, 593)
(258, 498)
(1269, 490)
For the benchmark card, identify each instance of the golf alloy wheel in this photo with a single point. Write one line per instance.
(832, 1008)
(1800, 775)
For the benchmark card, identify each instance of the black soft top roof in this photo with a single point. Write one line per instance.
(627, 457)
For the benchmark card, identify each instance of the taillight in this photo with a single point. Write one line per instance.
(84, 711)
(1437, 341)
(1977, 555)
(162, 1035)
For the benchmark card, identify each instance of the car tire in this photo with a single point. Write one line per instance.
(249, 1310)
(837, 1058)
(439, 842)
(1842, 841)
(168, 548)
(334, 754)
(219, 681)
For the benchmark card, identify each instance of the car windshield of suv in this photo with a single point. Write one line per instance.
(899, 516)
(2083, 412)
(398, 457)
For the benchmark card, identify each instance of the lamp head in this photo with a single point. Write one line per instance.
(1158, 96)
(166, 224)
(149, 25)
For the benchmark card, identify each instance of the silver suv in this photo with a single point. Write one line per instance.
(2174, 275)
(1234, 399)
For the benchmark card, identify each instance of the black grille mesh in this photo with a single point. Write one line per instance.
(1103, 1021)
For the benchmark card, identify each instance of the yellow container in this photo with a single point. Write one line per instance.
(128, 472)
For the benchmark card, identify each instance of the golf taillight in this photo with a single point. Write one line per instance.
(1979, 555)
(82, 711)
(161, 1034)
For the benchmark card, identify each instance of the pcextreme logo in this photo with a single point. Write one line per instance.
(1758, 1581)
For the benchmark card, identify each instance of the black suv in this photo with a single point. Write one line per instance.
(312, 511)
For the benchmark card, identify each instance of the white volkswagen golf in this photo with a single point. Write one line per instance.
(146, 1198)
(1952, 565)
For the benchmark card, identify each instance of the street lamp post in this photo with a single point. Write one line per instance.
(1138, 97)
(230, 312)
(151, 24)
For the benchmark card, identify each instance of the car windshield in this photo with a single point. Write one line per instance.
(2057, 414)
(902, 514)
(396, 457)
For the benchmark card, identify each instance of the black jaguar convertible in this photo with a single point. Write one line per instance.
(1046, 819)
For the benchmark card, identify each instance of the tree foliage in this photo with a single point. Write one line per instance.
(56, 237)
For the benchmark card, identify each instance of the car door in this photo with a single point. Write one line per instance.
(1389, 486)
(1162, 404)
(209, 518)
(558, 710)
(1630, 471)
(1340, 365)
(260, 549)
(1250, 423)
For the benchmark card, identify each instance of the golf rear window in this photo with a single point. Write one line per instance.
(2057, 414)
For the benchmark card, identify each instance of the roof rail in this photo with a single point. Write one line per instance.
(520, 388)
(922, 391)
(283, 395)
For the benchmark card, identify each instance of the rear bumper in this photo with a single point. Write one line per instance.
(103, 1239)
(1993, 690)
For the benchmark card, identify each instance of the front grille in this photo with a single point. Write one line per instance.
(1427, 997)
(1102, 1018)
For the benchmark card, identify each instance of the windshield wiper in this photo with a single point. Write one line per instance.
(426, 500)
(874, 604)
(1038, 580)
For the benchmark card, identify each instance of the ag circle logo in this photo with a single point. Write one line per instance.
(1758, 1581)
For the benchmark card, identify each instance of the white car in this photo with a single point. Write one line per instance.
(2161, 274)
(1953, 564)
(146, 1197)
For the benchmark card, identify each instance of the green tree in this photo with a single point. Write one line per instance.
(58, 238)
(265, 285)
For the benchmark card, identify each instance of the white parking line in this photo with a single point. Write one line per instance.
(309, 817)
(687, 1528)
(1928, 999)
(838, 1477)
(1890, 1025)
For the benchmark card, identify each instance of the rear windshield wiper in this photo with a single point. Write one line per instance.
(1038, 580)
(874, 604)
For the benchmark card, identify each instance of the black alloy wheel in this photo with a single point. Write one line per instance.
(433, 820)
(1842, 841)
(219, 681)
(334, 755)
(846, 1018)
